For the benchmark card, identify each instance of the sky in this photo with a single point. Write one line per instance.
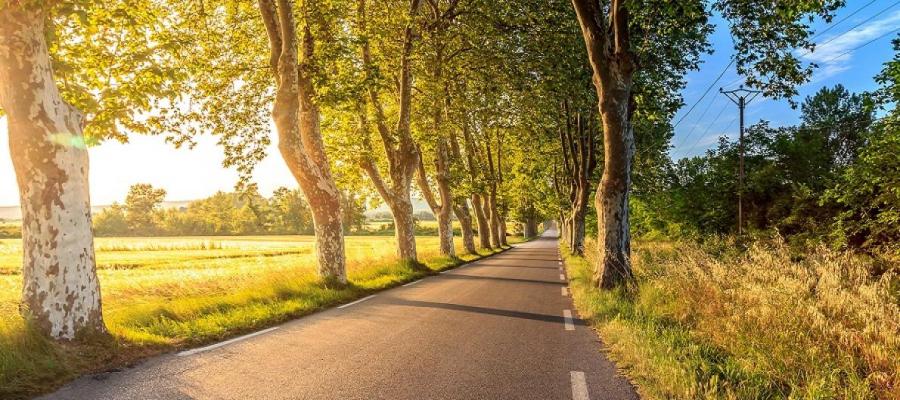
(197, 173)
(866, 23)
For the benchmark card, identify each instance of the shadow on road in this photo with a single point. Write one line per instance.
(483, 310)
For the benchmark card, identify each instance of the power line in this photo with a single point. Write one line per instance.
(863, 22)
(861, 46)
(696, 142)
(700, 118)
(833, 38)
(709, 127)
(705, 93)
(854, 123)
(831, 26)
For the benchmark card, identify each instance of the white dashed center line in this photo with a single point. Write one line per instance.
(579, 386)
(567, 319)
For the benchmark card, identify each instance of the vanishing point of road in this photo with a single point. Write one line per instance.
(503, 327)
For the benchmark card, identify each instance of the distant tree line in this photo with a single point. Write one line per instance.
(238, 213)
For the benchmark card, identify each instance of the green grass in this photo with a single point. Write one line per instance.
(759, 325)
(161, 294)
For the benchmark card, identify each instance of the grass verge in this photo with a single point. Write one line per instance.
(764, 324)
(157, 322)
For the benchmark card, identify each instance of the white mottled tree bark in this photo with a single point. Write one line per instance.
(605, 32)
(481, 217)
(442, 210)
(61, 293)
(297, 118)
(399, 146)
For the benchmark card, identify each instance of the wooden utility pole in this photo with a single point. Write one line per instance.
(741, 97)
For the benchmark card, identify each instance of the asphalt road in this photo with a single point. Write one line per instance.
(498, 328)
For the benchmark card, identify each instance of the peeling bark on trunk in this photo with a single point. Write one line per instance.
(579, 162)
(60, 292)
(465, 225)
(613, 65)
(297, 118)
(442, 211)
(404, 229)
(399, 147)
(494, 221)
(484, 237)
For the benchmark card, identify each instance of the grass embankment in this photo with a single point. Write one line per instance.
(761, 324)
(160, 294)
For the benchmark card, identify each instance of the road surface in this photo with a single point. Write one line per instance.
(500, 328)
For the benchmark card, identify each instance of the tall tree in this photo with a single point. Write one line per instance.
(297, 121)
(579, 161)
(439, 20)
(615, 34)
(60, 292)
(398, 144)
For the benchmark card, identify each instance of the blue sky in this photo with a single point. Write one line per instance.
(197, 173)
(716, 116)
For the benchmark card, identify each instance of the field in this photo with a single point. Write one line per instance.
(165, 293)
(713, 322)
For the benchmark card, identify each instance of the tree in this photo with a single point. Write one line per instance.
(111, 221)
(398, 145)
(867, 190)
(296, 116)
(61, 292)
(291, 214)
(142, 206)
(579, 161)
(616, 36)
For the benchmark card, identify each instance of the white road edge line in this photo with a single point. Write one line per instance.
(567, 319)
(579, 386)
(227, 342)
(564, 292)
(562, 277)
(357, 302)
(413, 282)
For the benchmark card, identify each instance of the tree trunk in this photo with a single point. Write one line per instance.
(528, 228)
(577, 233)
(443, 209)
(494, 221)
(612, 195)
(60, 292)
(296, 117)
(465, 224)
(504, 232)
(484, 237)
(329, 232)
(399, 146)
(404, 229)
(445, 224)
(612, 62)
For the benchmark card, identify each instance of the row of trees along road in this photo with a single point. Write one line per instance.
(466, 97)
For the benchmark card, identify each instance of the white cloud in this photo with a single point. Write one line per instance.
(830, 56)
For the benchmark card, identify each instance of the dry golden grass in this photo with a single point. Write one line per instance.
(761, 324)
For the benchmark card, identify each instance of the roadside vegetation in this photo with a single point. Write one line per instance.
(161, 294)
(712, 322)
